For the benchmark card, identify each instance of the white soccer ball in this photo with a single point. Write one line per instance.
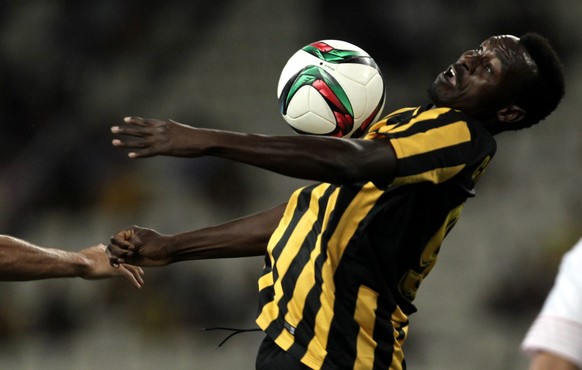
(332, 88)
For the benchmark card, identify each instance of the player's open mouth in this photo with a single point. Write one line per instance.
(451, 75)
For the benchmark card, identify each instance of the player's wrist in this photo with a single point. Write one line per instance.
(61, 263)
(82, 266)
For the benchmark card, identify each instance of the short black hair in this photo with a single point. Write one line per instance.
(542, 92)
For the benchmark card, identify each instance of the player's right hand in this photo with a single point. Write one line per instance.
(151, 137)
(138, 246)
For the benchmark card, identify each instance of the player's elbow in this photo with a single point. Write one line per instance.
(353, 173)
(373, 162)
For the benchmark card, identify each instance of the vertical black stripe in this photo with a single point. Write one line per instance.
(306, 327)
(289, 280)
(386, 343)
(267, 294)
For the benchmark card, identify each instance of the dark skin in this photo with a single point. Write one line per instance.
(481, 83)
(244, 237)
(287, 155)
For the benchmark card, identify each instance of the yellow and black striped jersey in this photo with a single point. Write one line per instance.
(345, 262)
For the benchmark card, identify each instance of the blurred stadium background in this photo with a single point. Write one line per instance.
(71, 69)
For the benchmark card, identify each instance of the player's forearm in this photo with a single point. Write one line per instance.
(244, 237)
(20, 260)
(318, 158)
(315, 158)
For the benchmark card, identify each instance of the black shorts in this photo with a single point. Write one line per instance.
(273, 357)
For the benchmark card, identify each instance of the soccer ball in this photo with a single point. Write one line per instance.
(332, 88)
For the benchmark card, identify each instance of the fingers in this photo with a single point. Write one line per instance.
(121, 248)
(135, 122)
(143, 147)
(137, 133)
(131, 130)
(132, 273)
(138, 121)
(124, 240)
(129, 143)
(114, 260)
(136, 126)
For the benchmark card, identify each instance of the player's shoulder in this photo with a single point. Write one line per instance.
(428, 112)
(443, 113)
(454, 120)
(426, 118)
(451, 115)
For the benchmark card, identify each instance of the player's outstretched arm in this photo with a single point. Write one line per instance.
(244, 237)
(316, 158)
(22, 261)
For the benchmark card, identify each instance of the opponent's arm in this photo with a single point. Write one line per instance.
(546, 360)
(316, 158)
(244, 237)
(22, 261)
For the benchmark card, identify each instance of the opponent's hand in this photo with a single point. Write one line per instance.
(150, 137)
(99, 267)
(138, 246)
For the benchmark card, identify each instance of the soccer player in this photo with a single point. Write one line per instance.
(21, 261)
(346, 255)
(554, 341)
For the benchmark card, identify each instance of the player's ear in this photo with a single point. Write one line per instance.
(511, 113)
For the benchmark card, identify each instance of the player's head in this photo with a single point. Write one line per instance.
(508, 82)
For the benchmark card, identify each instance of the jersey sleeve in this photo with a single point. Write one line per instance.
(558, 327)
(433, 145)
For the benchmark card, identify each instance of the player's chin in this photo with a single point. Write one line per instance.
(441, 96)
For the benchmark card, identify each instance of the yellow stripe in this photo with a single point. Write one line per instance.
(265, 281)
(426, 115)
(365, 314)
(287, 216)
(347, 226)
(306, 279)
(435, 176)
(442, 137)
(268, 307)
(305, 282)
(271, 311)
(383, 122)
(403, 110)
(300, 232)
(398, 319)
(285, 340)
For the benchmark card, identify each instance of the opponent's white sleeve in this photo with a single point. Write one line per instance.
(558, 327)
